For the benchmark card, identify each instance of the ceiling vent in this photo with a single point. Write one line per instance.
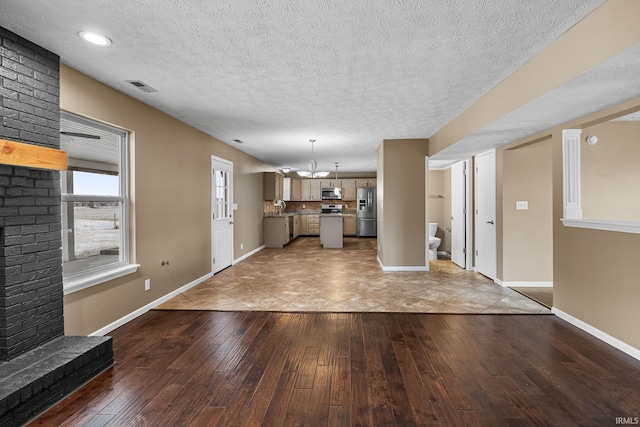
(142, 86)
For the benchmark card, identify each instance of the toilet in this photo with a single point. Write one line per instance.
(434, 241)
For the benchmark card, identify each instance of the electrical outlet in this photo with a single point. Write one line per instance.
(241, 246)
(147, 284)
(522, 205)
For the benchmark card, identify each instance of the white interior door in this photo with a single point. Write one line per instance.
(486, 214)
(221, 214)
(458, 214)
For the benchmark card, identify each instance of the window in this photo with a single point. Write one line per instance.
(95, 203)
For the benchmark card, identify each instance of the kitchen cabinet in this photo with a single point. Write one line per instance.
(273, 186)
(296, 189)
(366, 182)
(286, 189)
(331, 231)
(348, 189)
(329, 183)
(305, 189)
(304, 225)
(310, 189)
(276, 231)
(313, 225)
(296, 226)
(349, 226)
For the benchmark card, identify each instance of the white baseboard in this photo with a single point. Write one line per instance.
(142, 310)
(248, 254)
(403, 267)
(500, 282)
(612, 341)
(529, 284)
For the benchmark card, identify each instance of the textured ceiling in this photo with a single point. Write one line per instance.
(275, 73)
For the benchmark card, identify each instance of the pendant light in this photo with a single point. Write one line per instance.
(313, 165)
(337, 189)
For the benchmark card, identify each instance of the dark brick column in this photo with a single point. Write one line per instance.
(30, 241)
(38, 364)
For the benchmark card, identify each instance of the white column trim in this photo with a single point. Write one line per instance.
(571, 179)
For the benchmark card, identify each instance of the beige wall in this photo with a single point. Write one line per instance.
(380, 194)
(595, 272)
(402, 203)
(527, 235)
(595, 276)
(611, 171)
(170, 202)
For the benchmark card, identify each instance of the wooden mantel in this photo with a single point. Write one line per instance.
(32, 156)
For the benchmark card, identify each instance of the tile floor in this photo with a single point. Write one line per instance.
(304, 277)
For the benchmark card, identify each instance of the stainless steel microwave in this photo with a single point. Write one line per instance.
(332, 193)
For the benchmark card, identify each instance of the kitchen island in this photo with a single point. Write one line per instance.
(331, 230)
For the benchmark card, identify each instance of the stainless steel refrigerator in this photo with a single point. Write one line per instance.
(366, 225)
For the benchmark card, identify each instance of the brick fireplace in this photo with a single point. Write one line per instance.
(38, 364)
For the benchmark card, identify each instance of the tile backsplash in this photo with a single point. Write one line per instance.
(305, 207)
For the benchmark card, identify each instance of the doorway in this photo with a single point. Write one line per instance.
(221, 214)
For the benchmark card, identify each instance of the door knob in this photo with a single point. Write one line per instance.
(489, 222)
(230, 222)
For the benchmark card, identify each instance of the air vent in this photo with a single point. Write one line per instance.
(142, 86)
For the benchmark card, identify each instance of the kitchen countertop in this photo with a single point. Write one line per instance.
(286, 214)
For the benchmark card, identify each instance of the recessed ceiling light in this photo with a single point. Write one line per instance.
(95, 38)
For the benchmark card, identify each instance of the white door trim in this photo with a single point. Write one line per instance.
(469, 218)
(465, 225)
(216, 268)
(426, 213)
(492, 272)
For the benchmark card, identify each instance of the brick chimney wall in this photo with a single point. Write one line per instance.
(31, 294)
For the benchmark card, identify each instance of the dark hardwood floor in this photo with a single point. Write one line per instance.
(540, 295)
(203, 368)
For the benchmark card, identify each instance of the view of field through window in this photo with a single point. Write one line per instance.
(96, 229)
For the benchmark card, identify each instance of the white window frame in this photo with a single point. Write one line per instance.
(122, 267)
(572, 188)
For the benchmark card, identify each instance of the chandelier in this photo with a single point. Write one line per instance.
(313, 165)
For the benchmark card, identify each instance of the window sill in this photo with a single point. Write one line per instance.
(78, 283)
(605, 225)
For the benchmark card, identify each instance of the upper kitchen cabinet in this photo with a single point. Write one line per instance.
(296, 189)
(348, 189)
(273, 186)
(310, 189)
(366, 182)
(329, 183)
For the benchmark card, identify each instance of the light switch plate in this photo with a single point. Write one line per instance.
(522, 205)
